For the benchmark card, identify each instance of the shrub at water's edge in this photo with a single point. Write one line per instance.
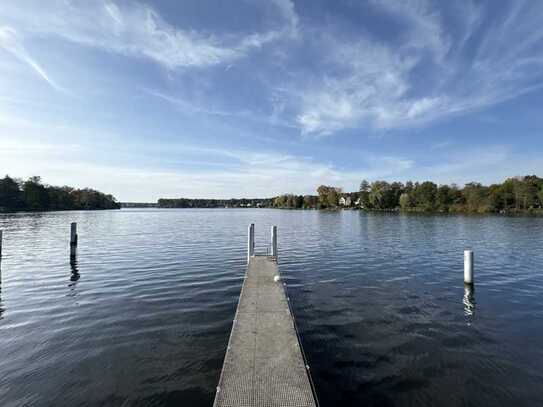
(32, 195)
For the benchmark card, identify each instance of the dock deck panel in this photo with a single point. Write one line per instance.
(263, 365)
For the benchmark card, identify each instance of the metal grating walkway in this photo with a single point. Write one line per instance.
(263, 365)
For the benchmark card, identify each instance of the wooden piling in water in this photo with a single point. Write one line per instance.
(1, 233)
(250, 242)
(468, 266)
(274, 242)
(73, 241)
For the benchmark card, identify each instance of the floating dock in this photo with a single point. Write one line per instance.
(264, 364)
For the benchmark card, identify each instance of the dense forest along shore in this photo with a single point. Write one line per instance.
(517, 195)
(33, 195)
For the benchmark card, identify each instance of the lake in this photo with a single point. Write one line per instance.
(144, 317)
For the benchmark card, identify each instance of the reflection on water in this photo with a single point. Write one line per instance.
(469, 301)
(144, 315)
(1, 304)
(75, 271)
(74, 277)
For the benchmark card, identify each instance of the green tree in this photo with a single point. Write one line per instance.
(364, 194)
(507, 193)
(328, 196)
(364, 186)
(11, 197)
(35, 194)
(425, 195)
(495, 197)
(444, 198)
(291, 201)
(310, 201)
(393, 195)
(332, 197)
(280, 201)
(529, 191)
(476, 197)
(540, 197)
(376, 195)
(405, 201)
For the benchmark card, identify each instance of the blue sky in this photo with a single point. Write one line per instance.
(256, 98)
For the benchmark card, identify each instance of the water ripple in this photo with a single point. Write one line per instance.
(144, 317)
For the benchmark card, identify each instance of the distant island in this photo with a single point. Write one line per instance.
(515, 195)
(33, 195)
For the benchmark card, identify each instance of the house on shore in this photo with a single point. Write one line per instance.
(345, 201)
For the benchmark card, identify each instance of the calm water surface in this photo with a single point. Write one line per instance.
(143, 319)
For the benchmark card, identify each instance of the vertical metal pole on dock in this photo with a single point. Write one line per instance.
(468, 266)
(251, 242)
(73, 241)
(274, 241)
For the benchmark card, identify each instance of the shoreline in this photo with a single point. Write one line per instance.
(515, 213)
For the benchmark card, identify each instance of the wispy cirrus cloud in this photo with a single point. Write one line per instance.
(423, 25)
(243, 80)
(379, 83)
(423, 70)
(12, 43)
(138, 30)
(226, 172)
(191, 107)
(175, 169)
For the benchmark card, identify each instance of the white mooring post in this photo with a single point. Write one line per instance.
(251, 242)
(468, 266)
(73, 241)
(274, 241)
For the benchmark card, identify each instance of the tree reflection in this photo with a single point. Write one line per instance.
(1, 304)
(74, 277)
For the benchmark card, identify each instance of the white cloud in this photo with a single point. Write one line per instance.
(424, 27)
(371, 87)
(141, 171)
(186, 106)
(249, 174)
(137, 30)
(432, 73)
(12, 43)
(286, 7)
(423, 70)
(178, 169)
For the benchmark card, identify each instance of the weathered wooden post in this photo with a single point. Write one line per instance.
(274, 241)
(251, 242)
(73, 241)
(468, 266)
(0, 244)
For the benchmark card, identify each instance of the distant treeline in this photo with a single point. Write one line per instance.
(518, 194)
(32, 195)
(138, 205)
(213, 203)
(290, 201)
